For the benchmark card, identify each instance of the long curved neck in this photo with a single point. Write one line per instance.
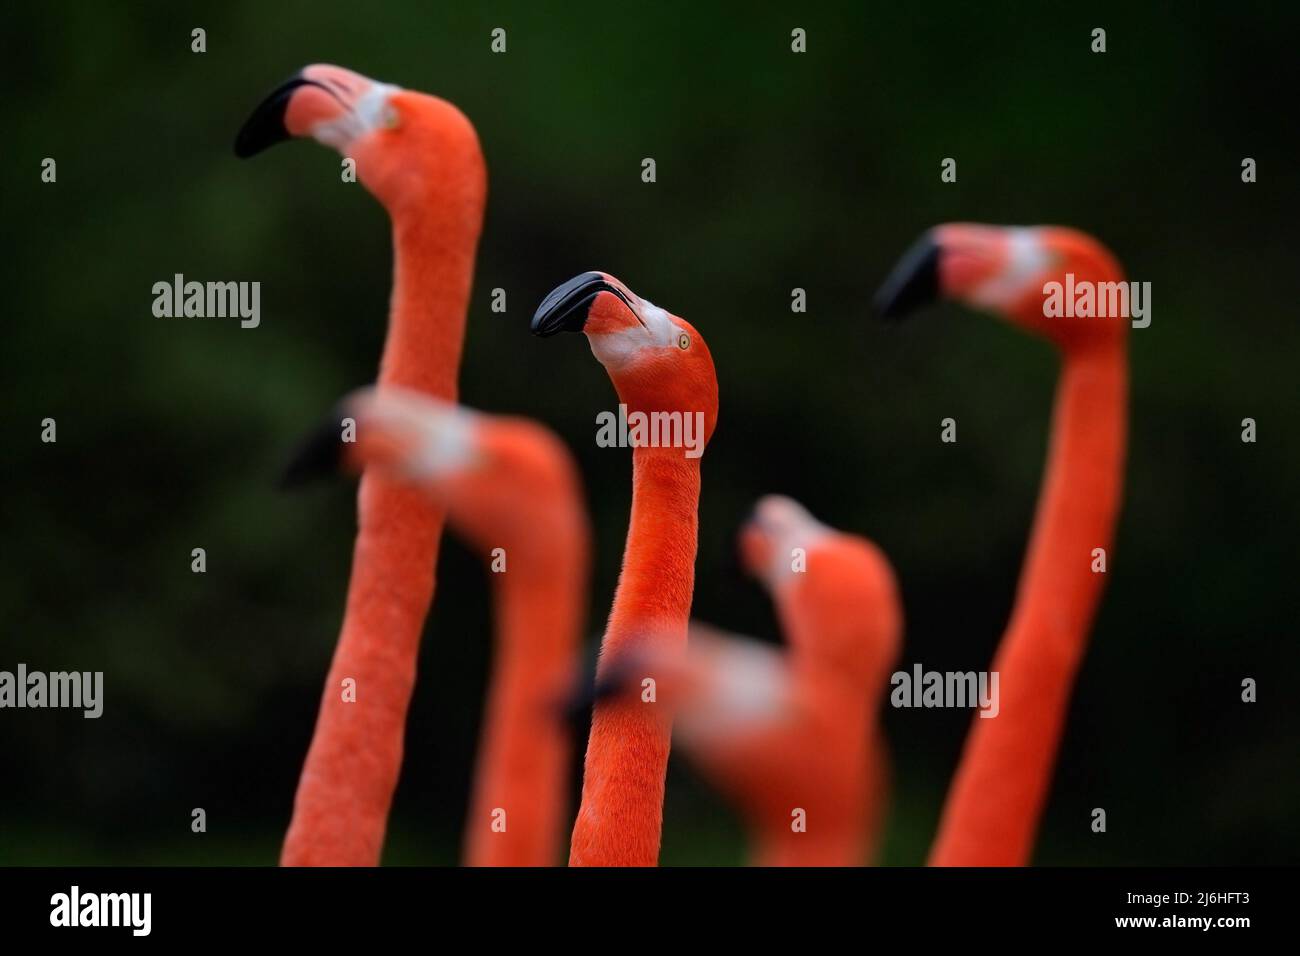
(839, 709)
(840, 797)
(433, 269)
(621, 814)
(998, 793)
(346, 788)
(519, 808)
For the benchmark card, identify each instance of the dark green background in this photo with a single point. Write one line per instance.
(774, 171)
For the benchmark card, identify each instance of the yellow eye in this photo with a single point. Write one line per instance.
(683, 341)
(390, 118)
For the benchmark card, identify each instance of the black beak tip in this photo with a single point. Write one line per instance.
(265, 126)
(913, 283)
(318, 454)
(577, 707)
(574, 707)
(565, 307)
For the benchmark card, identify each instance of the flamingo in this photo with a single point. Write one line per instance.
(658, 363)
(793, 737)
(511, 490)
(997, 795)
(420, 157)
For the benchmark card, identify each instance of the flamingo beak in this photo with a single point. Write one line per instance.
(573, 706)
(616, 679)
(566, 307)
(318, 454)
(333, 105)
(265, 126)
(914, 281)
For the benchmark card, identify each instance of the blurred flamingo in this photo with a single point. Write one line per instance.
(793, 736)
(1001, 784)
(511, 491)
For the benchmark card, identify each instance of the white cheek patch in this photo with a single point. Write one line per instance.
(615, 349)
(443, 434)
(661, 328)
(366, 113)
(806, 537)
(447, 447)
(791, 526)
(1026, 259)
(748, 686)
(655, 330)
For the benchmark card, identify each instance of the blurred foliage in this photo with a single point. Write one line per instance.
(774, 171)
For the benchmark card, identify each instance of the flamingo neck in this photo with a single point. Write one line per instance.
(998, 793)
(657, 581)
(518, 809)
(837, 701)
(433, 269)
(356, 750)
(783, 845)
(621, 814)
(831, 822)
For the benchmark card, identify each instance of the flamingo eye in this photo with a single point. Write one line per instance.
(390, 117)
(683, 341)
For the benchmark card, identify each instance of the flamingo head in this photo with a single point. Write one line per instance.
(404, 435)
(404, 143)
(505, 482)
(657, 361)
(836, 591)
(1005, 270)
(771, 540)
